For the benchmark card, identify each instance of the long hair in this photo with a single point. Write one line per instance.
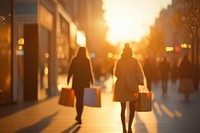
(82, 52)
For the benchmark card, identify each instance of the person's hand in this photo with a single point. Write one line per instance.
(92, 83)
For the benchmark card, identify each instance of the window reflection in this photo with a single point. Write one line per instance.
(5, 51)
(44, 62)
(62, 51)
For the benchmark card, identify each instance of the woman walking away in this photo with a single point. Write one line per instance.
(185, 74)
(164, 69)
(81, 70)
(126, 65)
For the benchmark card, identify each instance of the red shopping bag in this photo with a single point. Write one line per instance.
(92, 97)
(144, 102)
(66, 97)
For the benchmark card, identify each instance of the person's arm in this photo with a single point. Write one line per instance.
(116, 70)
(70, 72)
(91, 73)
(139, 73)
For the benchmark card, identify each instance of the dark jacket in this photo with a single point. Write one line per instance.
(185, 69)
(164, 68)
(81, 70)
(121, 93)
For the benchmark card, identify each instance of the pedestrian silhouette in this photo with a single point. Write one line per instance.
(149, 71)
(164, 69)
(185, 71)
(81, 70)
(121, 93)
(174, 72)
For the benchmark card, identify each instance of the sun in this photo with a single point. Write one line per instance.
(122, 28)
(131, 20)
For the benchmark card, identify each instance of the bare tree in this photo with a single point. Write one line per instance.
(190, 17)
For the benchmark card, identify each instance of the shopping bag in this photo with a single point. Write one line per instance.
(66, 97)
(92, 97)
(144, 102)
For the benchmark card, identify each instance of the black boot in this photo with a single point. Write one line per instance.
(78, 119)
(124, 130)
(130, 130)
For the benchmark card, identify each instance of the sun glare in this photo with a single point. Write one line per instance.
(121, 30)
(130, 20)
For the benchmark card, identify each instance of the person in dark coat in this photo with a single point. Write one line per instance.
(164, 69)
(149, 71)
(174, 72)
(81, 70)
(126, 65)
(185, 71)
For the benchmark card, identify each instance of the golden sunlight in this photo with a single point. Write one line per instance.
(130, 20)
(121, 30)
(81, 40)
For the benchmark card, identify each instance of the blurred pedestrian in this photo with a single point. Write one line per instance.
(149, 71)
(125, 65)
(186, 77)
(174, 72)
(164, 69)
(81, 70)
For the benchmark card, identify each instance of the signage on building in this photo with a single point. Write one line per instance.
(25, 11)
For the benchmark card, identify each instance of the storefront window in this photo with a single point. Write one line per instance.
(63, 51)
(44, 62)
(5, 51)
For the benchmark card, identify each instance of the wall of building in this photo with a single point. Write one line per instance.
(41, 49)
(5, 51)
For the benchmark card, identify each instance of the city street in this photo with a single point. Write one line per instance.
(169, 114)
(47, 44)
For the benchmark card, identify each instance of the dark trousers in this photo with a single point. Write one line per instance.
(164, 86)
(79, 102)
(131, 115)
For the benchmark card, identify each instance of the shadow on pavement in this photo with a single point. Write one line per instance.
(9, 109)
(173, 114)
(140, 125)
(72, 129)
(39, 126)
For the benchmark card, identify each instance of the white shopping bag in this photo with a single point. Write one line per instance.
(92, 97)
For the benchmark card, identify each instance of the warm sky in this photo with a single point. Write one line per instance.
(129, 20)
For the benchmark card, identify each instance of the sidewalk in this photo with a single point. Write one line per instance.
(169, 115)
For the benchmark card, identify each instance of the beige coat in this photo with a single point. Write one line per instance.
(121, 93)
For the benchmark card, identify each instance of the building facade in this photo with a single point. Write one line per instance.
(37, 39)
